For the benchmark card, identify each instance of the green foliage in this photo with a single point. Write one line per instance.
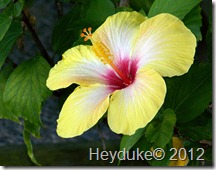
(4, 110)
(14, 9)
(140, 4)
(5, 22)
(190, 94)
(198, 129)
(82, 15)
(26, 89)
(127, 142)
(178, 8)
(27, 140)
(70, 32)
(159, 132)
(193, 20)
(9, 39)
(98, 11)
(3, 3)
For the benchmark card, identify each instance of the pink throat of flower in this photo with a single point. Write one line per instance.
(122, 75)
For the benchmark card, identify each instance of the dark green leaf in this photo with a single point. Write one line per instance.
(9, 39)
(179, 8)
(160, 132)
(5, 22)
(127, 142)
(3, 3)
(166, 160)
(26, 89)
(27, 140)
(77, 1)
(67, 30)
(34, 129)
(208, 154)
(197, 129)
(190, 94)
(144, 145)
(99, 10)
(193, 20)
(14, 9)
(81, 16)
(141, 4)
(4, 111)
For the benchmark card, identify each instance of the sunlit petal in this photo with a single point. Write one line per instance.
(118, 33)
(79, 65)
(136, 105)
(82, 110)
(166, 45)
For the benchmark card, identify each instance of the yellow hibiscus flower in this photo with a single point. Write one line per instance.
(121, 72)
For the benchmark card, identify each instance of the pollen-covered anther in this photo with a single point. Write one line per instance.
(86, 34)
(102, 52)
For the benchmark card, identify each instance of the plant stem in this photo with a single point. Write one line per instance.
(36, 38)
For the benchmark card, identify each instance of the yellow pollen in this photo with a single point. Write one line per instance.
(102, 52)
(86, 34)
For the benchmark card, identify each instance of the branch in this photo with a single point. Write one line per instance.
(36, 38)
(124, 3)
(59, 8)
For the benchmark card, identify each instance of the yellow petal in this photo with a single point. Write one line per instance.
(136, 105)
(82, 110)
(166, 45)
(118, 32)
(178, 144)
(78, 65)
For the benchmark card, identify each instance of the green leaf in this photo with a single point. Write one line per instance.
(34, 129)
(160, 132)
(144, 145)
(27, 140)
(99, 10)
(9, 39)
(67, 30)
(3, 3)
(15, 9)
(197, 129)
(179, 8)
(26, 89)
(141, 4)
(189, 95)
(127, 142)
(5, 22)
(193, 20)
(4, 111)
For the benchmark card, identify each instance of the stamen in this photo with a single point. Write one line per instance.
(103, 53)
(86, 34)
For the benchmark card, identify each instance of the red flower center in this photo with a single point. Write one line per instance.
(124, 76)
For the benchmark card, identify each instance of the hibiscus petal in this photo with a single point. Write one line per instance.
(136, 105)
(82, 110)
(118, 32)
(165, 44)
(78, 65)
